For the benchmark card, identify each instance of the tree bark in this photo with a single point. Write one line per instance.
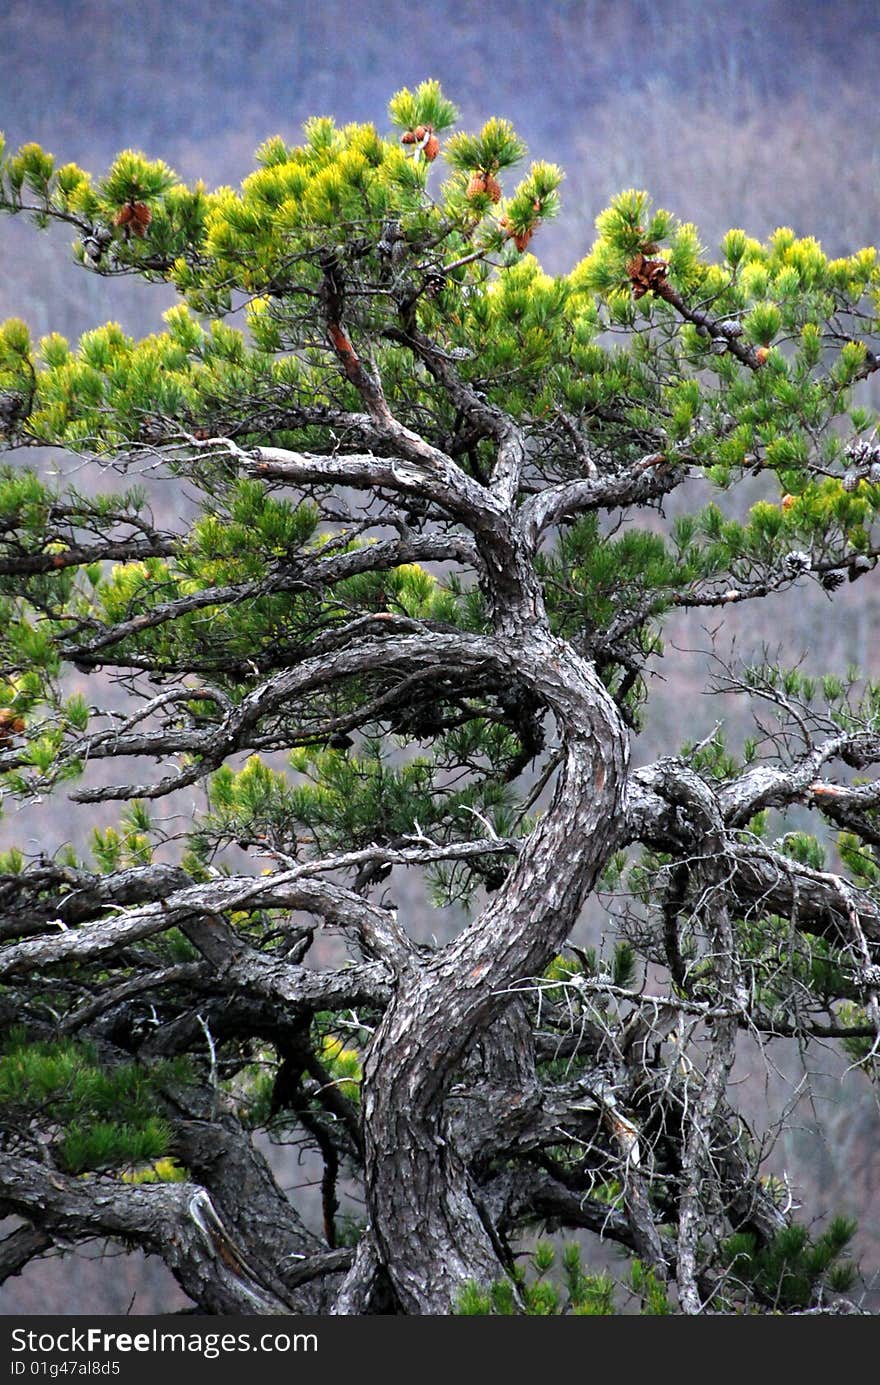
(425, 1215)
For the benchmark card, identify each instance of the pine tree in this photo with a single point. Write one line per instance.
(388, 527)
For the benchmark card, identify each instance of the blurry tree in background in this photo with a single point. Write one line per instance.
(408, 629)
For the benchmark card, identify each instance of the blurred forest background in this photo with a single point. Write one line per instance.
(757, 115)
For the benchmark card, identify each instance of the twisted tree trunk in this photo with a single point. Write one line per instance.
(425, 1219)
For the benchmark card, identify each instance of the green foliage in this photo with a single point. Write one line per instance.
(537, 1295)
(345, 800)
(712, 758)
(105, 1117)
(650, 1289)
(132, 178)
(794, 1269)
(494, 148)
(794, 975)
(264, 243)
(803, 847)
(425, 106)
(112, 1144)
(562, 969)
(623, 968)
(126, 846)
(546, 1289)
(236, 542)
(344, 1064)
(621, 972)
(350, 802)
(161, 1171)
(534, 342)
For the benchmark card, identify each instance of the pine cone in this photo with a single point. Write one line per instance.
(10, 725)
(435, 282)
(92, 250)
(831, 580)
(859, 565)
(646, 275)
(339, 741)
(155, 429)
(857, 757)
(796, 562)
(519, 238)
(134, 217)
(862, 453)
